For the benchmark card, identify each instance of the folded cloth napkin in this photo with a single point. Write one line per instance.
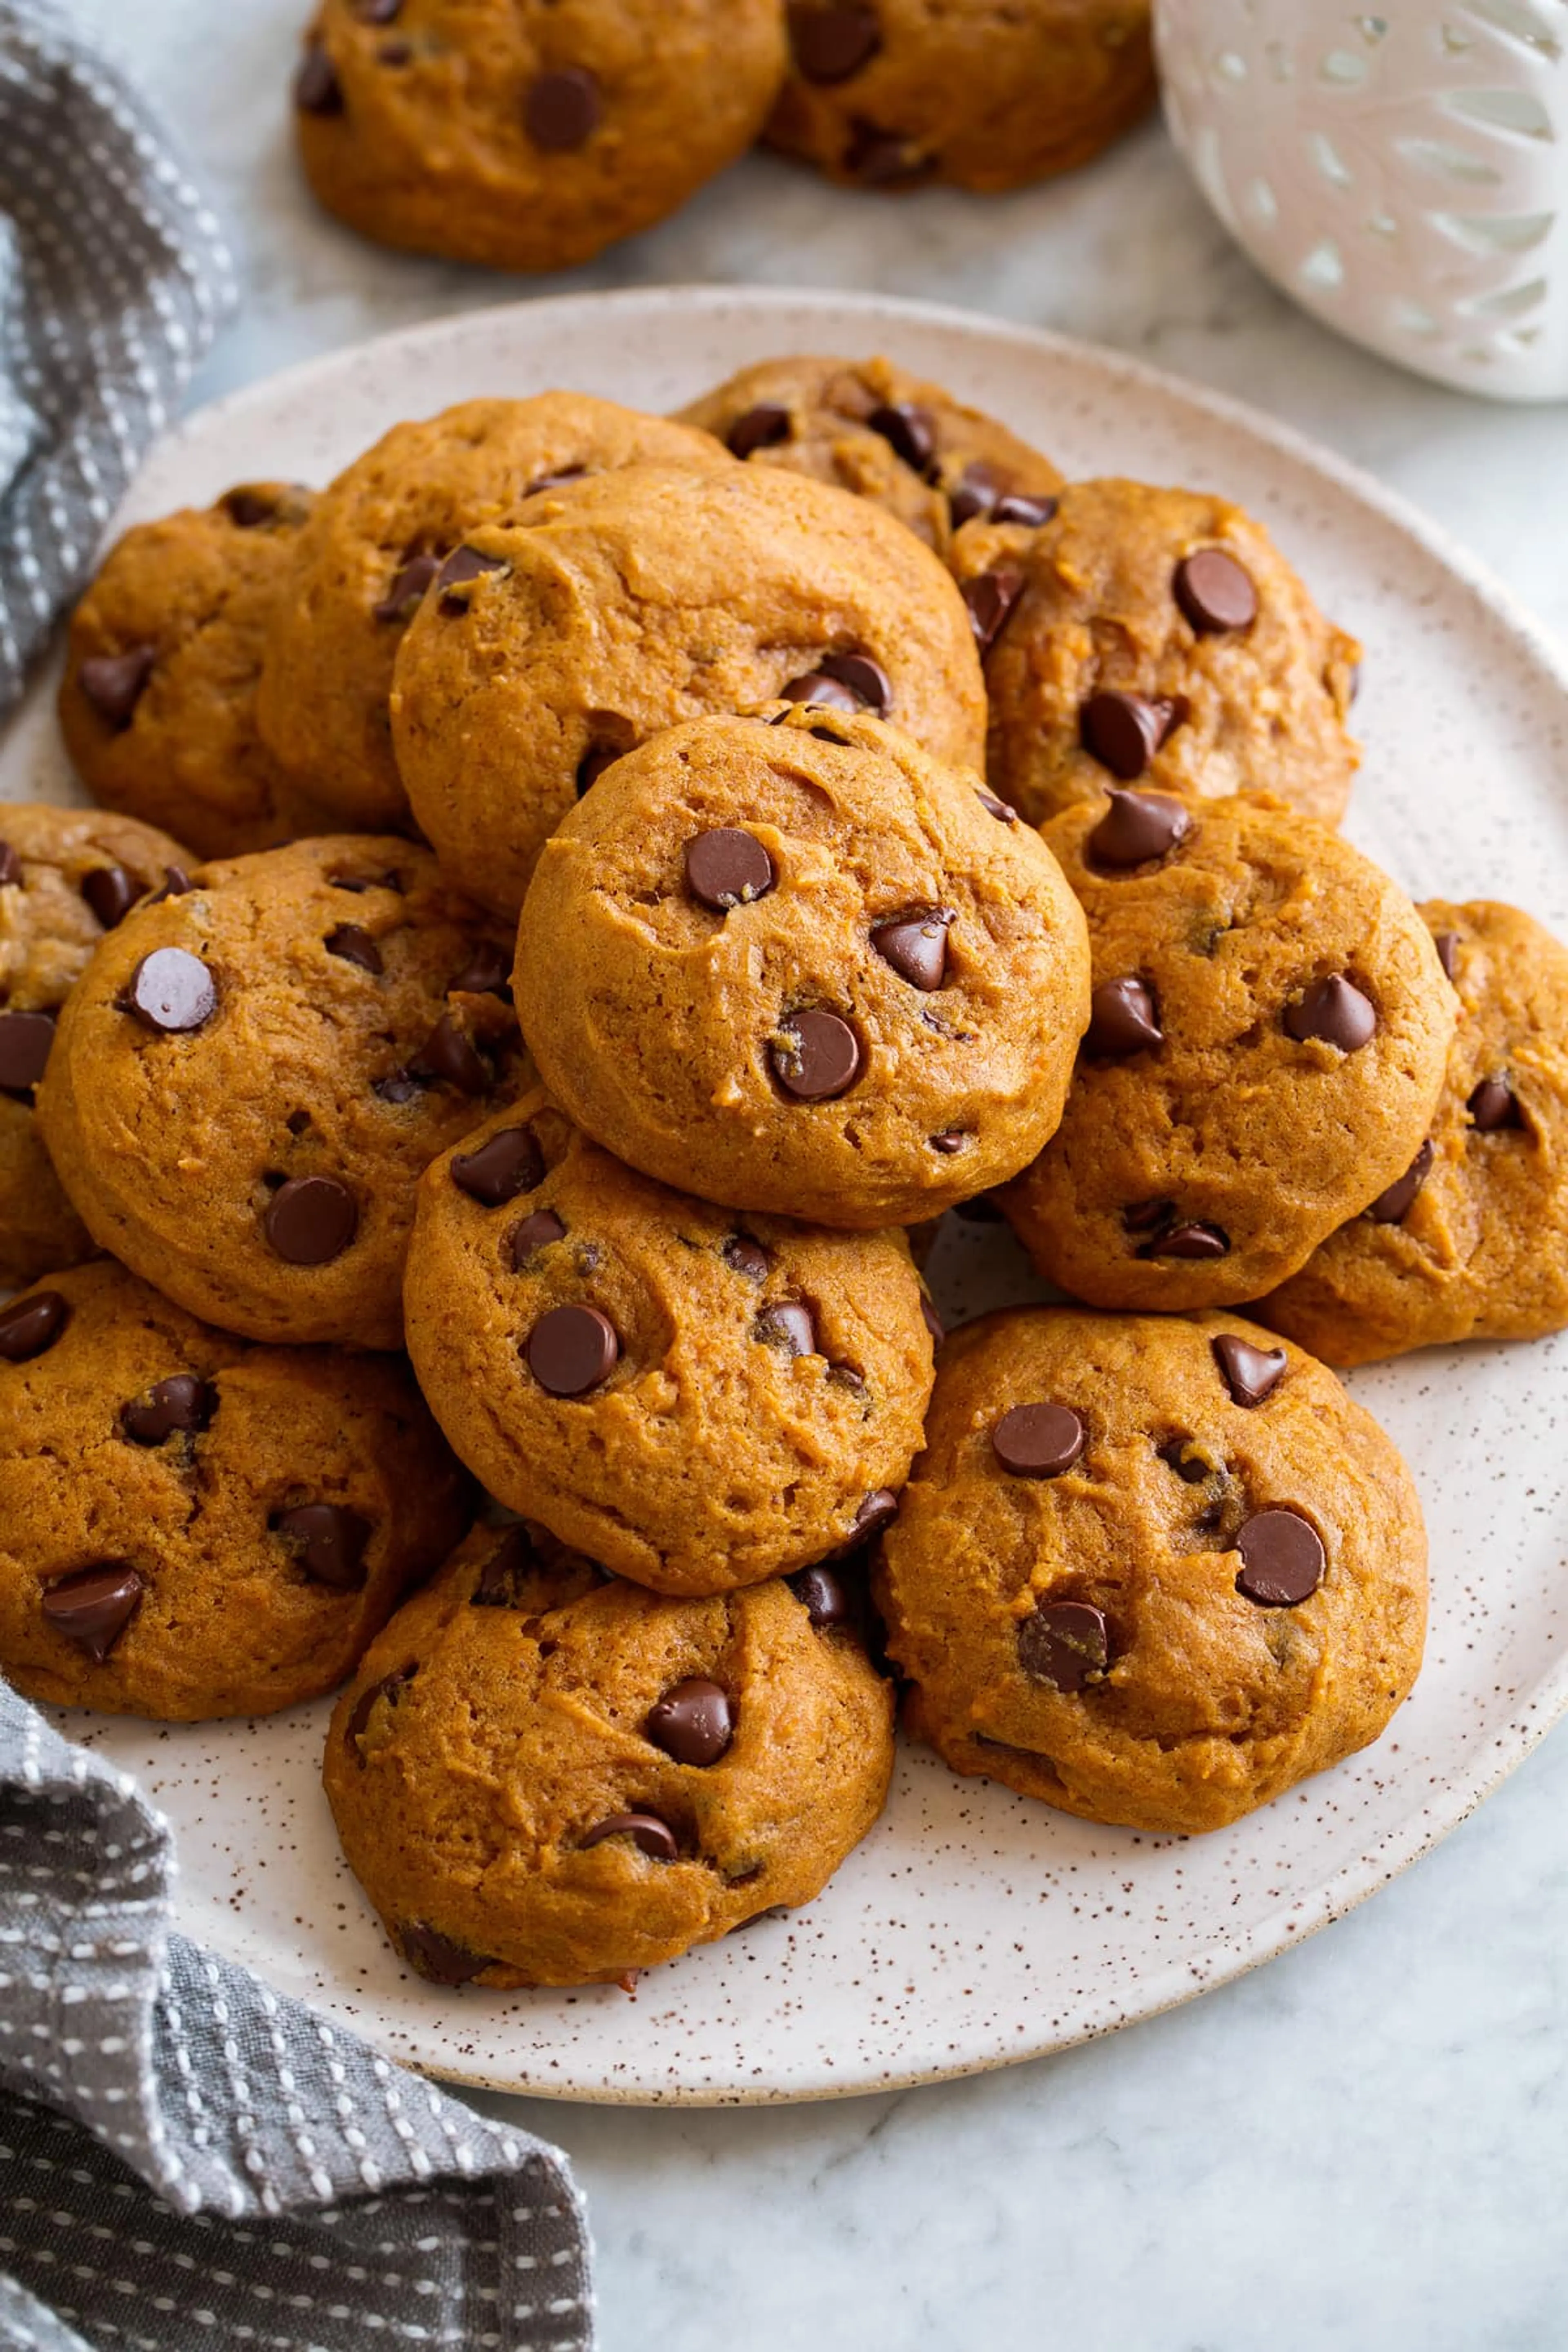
(113, 278)
(188, 2159)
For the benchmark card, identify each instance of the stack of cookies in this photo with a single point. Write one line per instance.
(572, 902)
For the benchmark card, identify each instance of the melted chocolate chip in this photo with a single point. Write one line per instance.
(512, 1559)
(866, 681)
(818, 1057)
(909, 432)
(437, 1959)
(488, 974)
(112, 893)
(1123, 731)
(328, 1540)
(248, 508)
(1282, 1560)
(1494, 1105)
(171, 990)
(563, 110)
(832, 44)
(354, 946)
(364, 1706)
(24, 1042)
(406, 592)
(916, 946)
(1391, 1208)
(1033, 511)
(1188, 1241)
(1447, 946)
(647, 1832)
(1214, 592)
(746, 1257)
(177, 884)
(694, 1722)
(317, 90)
(1039, 1440)
(726, 868)
(763, 428)
(788, 1325)
(592, 766)
(461, 569)
(113, 684)
(178, 1407)
(310, 1220)
(1137, 828)
(1335, 1013)
(448, 1057)
(508, 1164)
(1066, 1643)
(823, 1596)
(949, 1142)
(1124, 1019)
(989, 597)
(92, 1606)
(878, 1510)
(820, 692)
(884, 159)
(1003, 811)
(534, 1234)
(1251, 1374)
(29, 1326)
(572, 1350)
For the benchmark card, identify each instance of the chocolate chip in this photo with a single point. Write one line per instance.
(110, 893)
(448, 1058)
(1003, 811)
(364, 1706)
(1191, 1241)
(24, 1042)
(555, 480)
(177, 884)
(746, 1256)
(248, 509)
(488, 974)
(406, 592)
(437, 1959)
(819, 1059)
(508, 1164)
(726, 868)
(909, 432)
(397, 1089)
(763, 428)
(514, 1558)
(1138, 827)
(1019, 506)
(378, 12)
(949, 1142)
(92, 1606)
(879, 1510)
(354, 946)
(572, 1350)
(317, 90)
(1065, 1644)
(1447, 946)
(1494, 1105)
(171, 990)
(1334, 1011)
(1214, 592)
(989, 597)
(916, 946)
(1039, 1440)
(1123, 731)
(1391, 1208)
(831, 44)
(866, 681)
(311, 1220)
(29, 1326)
(974, 494)
(563, 110)
(1144, 1216)
(1123, 1020)
(820, 692)
(113, 683)
(789, 1326)
(177, 1407)
(533, 1234)
(358, 884)
(10, 866)
(647, 1832)
(694, 1722)
(933, 1320)
(1250, 1373)
(463, 566)
(592, 766)
(329, 1540)
(1282, 1560)
(884, 159)
(1190, 1468)
(822, 1595)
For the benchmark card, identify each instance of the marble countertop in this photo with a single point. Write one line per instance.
(1366, 2143)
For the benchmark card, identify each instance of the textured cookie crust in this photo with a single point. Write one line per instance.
(867, 426)
(47, 934)
(1230, 1124)
(178, 1147)
(1094, 609)
(486, 1739)
(769, 1382)
(361, 566)
(668, 1026)
(231, 1616)
(1479, 1249)
(528, 137)
(167, 732)
(984, 94)
(1203, 1703)
(633, 600)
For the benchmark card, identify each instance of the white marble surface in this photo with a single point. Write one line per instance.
(1366, 2144)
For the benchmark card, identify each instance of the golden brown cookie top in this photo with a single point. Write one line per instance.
(872, 428)
(796, 964)
(1152, 1569)
(191, 1527)
(1471, 1243)
(1155, 636)
(251, 1077)
(699, 1399)
(1269, 1028)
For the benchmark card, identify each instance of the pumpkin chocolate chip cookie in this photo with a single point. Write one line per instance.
(613, 607)
(1471, 1243)
(67, 875)
(1269, 1027)
(984, 94)
(1149, 1570)
(539, 1778)
(867, 426)
(528, 137)
(1155, 636)
(158, 700)
(795, 965)
(377, 538)
(250, 1080)
(191, 1527)
(697, 1400)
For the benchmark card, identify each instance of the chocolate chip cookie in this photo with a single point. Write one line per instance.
(868, 426)
(983, 94)
(1471, 1243)
(67, 875)
(539, 1778)
(248, 1081)
(795, 965)
(1151, 1571)
(1154, 636)
(625, 603)
(527, 137)
(158, 700)
(191, 1527)
(696, 1399)
(377, 538)
(1269, 1028)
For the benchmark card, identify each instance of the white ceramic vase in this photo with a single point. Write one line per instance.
(1403, 175)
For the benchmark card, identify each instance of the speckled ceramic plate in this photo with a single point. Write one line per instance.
(972, 1927)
